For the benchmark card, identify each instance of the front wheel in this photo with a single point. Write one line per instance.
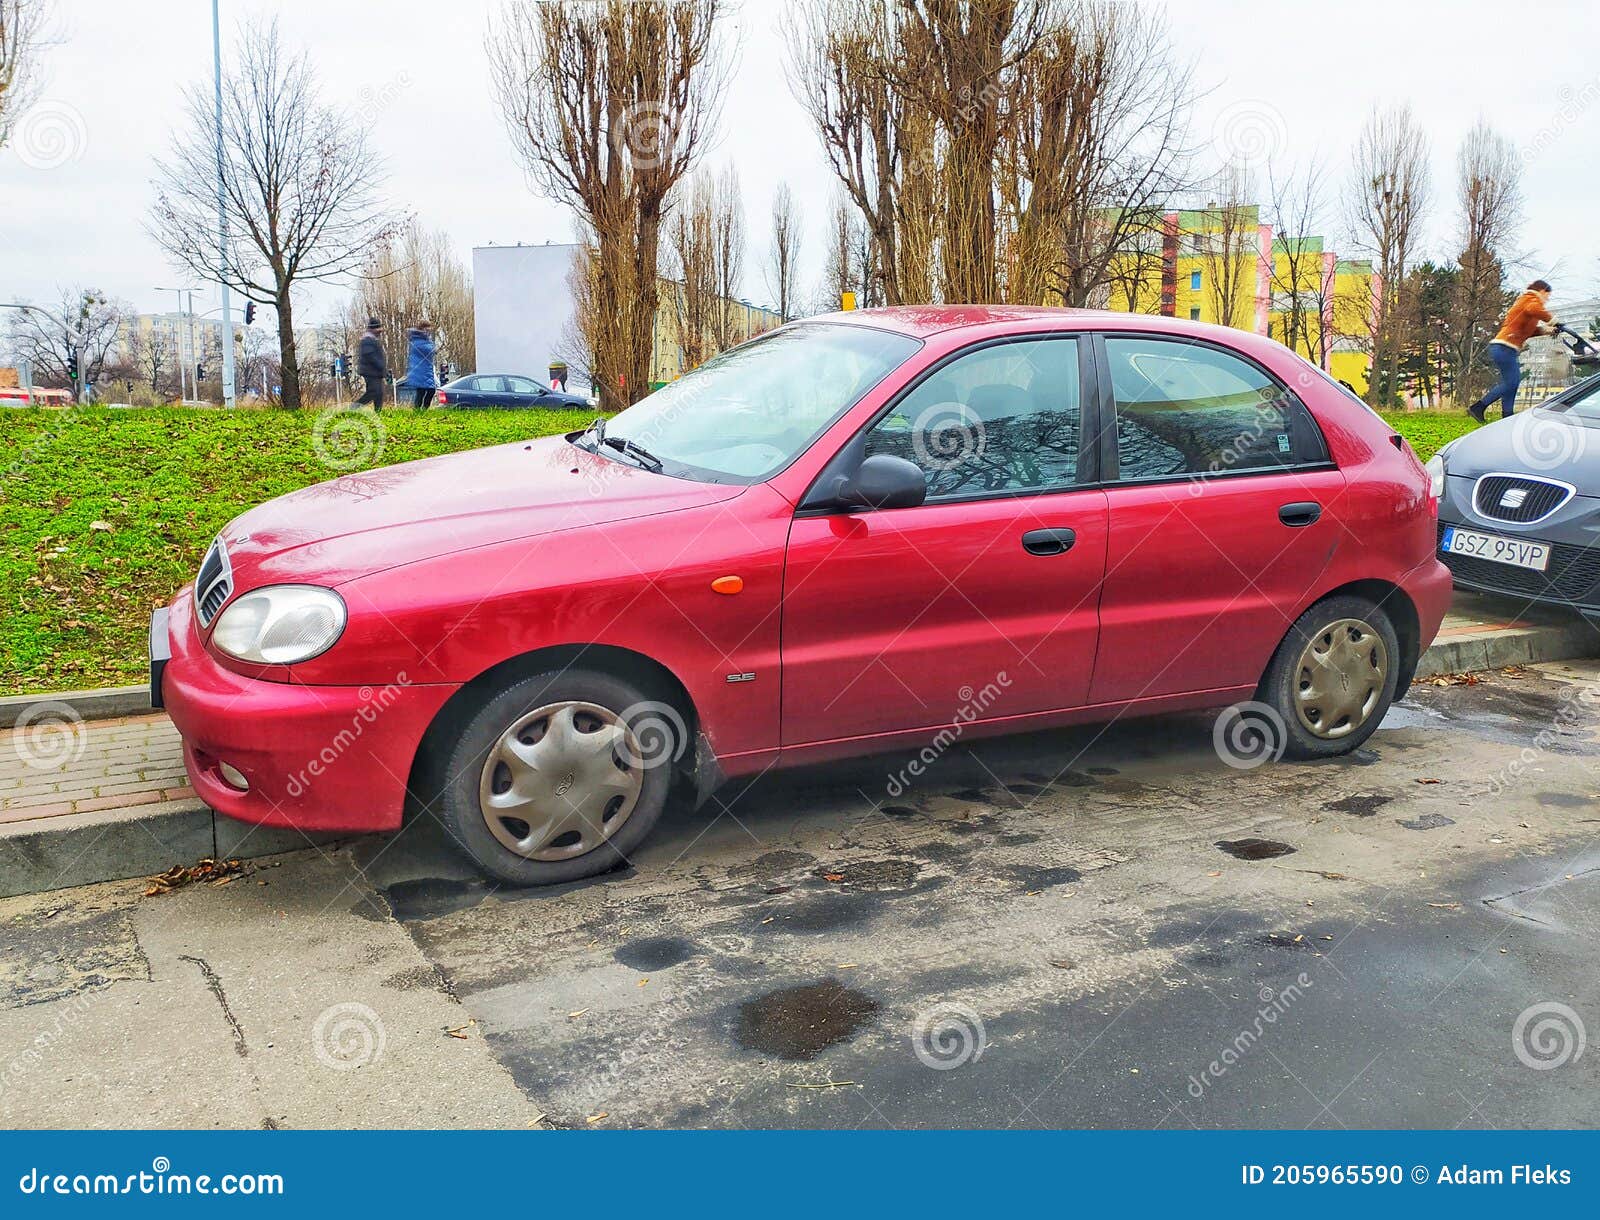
(1333, 677)
(559, 776)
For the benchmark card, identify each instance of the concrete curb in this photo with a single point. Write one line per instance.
(88, 704)
(115, 844)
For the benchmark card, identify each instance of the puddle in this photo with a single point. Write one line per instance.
(871, 874)
(1038, 878)
(1255, 849)
(1428, 821)
(801, 1022)
(434, 897)
(1563, 800)
(1360, 806)
(651, 953)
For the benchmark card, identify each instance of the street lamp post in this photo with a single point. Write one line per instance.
(229, 397)
(184, 316)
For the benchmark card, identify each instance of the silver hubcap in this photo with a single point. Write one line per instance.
(1341, 678)
(561, 781)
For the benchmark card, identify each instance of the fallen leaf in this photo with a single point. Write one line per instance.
(846, 966)
(594, 1118)
(1430, 781)
(1445, 906)
(103, 526)
(1063, 963)
(459, 1031)
(1216, 872)
(579, 1013)
(833, 876)
(204, 870)
(642, 982)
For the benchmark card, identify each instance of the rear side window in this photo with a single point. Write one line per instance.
(1186, 409)
(998, 420)
(490, 385)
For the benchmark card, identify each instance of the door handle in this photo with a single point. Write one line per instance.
(1302, 512)
(1049, 542)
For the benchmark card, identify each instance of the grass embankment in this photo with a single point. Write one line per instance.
(103, 514)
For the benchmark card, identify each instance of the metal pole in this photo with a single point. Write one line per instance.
(229, 398)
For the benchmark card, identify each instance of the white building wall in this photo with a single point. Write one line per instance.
(523, 310)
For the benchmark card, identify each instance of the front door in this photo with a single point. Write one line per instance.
(980, 603)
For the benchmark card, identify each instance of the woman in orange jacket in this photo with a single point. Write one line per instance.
(1529, 315)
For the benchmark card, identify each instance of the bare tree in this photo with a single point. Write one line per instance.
(1228, 246)
(1388, 198)
(414, 277)
(785, 254)
(843, 271)
(692, 247)
(1302, 283)
(298, 187)
(609, 105)
(1489, 213)
(728, 242)
(24, 33)
(152, 356)
(84, 323)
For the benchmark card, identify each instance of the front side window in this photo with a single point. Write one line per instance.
(1188, 409)
(745, 415)
(1000, 419)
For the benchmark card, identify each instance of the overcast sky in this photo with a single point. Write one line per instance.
(75, 184)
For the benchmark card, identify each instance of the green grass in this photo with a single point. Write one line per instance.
(75, 596)
(104, 514)
(1429, 431)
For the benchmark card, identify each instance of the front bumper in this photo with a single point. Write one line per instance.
(1572, 579)
(324, 758)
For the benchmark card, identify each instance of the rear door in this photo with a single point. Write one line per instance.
(1224, 513)
(980, 603)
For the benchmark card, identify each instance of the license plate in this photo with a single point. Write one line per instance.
(1517, 552)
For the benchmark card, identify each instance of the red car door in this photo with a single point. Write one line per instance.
(983, 601)
(1223, 517)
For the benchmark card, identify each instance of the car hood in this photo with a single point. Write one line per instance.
(362, 523)
(1553, 444)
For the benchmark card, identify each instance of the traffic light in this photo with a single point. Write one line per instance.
(199, 371)
(333, 367)
(72, 364)
(249, 312)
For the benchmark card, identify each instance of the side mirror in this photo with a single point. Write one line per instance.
(883, 481)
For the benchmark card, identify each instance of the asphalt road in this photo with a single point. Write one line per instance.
(1101, 927)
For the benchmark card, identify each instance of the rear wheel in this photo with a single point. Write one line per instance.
(560, 776)
(1333, 677)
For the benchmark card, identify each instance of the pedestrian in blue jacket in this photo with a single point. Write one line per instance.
(420, 375)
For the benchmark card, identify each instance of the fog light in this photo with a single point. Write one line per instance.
(233, 777)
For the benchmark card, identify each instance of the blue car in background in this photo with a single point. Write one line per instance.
(502, 391)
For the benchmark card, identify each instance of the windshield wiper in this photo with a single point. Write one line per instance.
(597, 426)
(632, 448)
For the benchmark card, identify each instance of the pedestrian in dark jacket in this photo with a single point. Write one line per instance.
(371, 365)
(420, 375)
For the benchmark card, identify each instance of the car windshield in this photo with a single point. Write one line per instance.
(1583, 400)
(748, 413)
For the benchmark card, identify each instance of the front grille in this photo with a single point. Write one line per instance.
(1531, 498)
(1573, 574)
(214, 585)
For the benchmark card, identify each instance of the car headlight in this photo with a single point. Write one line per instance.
(1435, 469)
(280, 624)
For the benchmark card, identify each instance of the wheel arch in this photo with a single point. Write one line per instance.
(654, 679)
(1402, 612)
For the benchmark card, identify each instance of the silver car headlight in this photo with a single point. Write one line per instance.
(1435, 469)
(280, 624)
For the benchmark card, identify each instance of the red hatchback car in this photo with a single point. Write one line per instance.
(858, 533)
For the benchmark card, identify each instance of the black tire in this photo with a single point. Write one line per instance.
(464, 760)
(1279, 685)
